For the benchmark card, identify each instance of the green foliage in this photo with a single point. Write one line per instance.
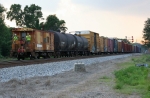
(132, 75)
(2, 10)
(28, 18)
(142, 59)
(15, 13)
(53, 23)
(32, 15)
(119, 85)
(5, 36)
(1, 55)
(146, 33)
(133, 79)
(148, 88)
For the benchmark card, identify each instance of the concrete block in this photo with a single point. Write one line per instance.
(79, 67)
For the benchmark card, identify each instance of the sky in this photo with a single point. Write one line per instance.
(110, 18)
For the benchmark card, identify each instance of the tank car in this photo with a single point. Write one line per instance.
(93, 40)
(69, 45)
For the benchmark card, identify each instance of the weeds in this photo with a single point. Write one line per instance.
(132, 79)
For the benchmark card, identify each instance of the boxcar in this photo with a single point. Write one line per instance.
(102, 44)
(111, 45)
(115, 44)
(106, 44)
(93, 40)
(41, 43)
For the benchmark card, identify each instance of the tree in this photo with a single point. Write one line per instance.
(53, 23)
(62, 26)
(32, 16)
(28, 18)
(146, 33)
(5, 35)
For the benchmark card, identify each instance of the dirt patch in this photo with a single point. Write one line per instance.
(96, 82)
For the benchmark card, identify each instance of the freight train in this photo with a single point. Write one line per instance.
(50, 43)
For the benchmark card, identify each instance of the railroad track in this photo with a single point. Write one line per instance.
(13, 63)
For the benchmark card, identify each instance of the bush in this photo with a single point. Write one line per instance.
(1, 56)
(148, 88)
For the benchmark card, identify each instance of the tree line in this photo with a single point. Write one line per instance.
(30, 17)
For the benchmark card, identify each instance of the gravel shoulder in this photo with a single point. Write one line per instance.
(96, 82)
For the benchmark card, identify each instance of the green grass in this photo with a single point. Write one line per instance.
(7, 59)
(105, 79)
(132, 79)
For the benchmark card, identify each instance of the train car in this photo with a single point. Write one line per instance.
(93, 40)
(130, 48)
(102, 44)
(120, 46)
(69, 45)
(40, 45)
(105, 44)
(108, 45)
(111, 45)
(138, 49)
(115, 44)
(125, 47)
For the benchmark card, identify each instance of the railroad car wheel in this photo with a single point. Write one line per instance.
(22, 58)
(37, 56)
(48, 55)
(31, 57)
(18, 57)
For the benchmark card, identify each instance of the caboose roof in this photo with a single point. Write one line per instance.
(22, 29)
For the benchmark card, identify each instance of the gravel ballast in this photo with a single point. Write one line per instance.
(49, 69)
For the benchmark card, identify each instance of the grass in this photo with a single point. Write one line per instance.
(132, 79)
(104, 79)
(7, 59)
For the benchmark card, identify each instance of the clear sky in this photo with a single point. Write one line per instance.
(111, 18)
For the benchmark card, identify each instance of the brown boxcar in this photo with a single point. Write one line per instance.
(119, 46)
(102, 43)
(41, 43)
(106, 44)
(93, 40)
(130, 48)
(125, 47)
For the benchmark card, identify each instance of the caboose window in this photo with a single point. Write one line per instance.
(23, 34)
(46, 40)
